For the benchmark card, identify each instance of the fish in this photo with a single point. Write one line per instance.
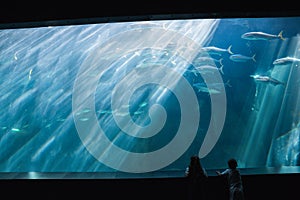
(241, 58)
(267, 79)
(29, 75)
(261, 36)
(285, 60)
(216, 50)
(215, 88)
(209, 69)
(15, 130)
(205, 89)
(207, 60)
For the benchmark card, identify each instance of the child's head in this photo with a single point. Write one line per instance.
(232, 163)
(194, 159)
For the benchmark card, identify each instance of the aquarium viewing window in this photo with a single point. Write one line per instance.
(138, 98)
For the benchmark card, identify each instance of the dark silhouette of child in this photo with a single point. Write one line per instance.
(196, 176)
(234, 180)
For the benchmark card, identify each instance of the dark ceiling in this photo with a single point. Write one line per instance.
(26, 11)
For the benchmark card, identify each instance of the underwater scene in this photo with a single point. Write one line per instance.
(138, 98)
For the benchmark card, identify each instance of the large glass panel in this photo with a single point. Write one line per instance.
(138, 98)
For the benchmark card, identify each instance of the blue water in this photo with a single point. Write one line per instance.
(135, 97)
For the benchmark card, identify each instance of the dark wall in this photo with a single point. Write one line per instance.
(283, 186)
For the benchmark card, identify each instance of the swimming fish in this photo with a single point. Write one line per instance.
(261, 36)
(209, 69)
(207, 60)
(241, 58)
(214, 88)
(205, 89)
(267, 79)
(216, 50)
(201, 87)
(285, 60)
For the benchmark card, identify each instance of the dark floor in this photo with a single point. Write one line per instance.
(274, 186)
